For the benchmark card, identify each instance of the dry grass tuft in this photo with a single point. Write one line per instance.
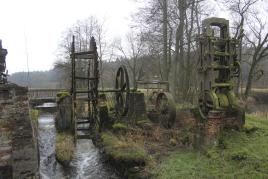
(64, 148)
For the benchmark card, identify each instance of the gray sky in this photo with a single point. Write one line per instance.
(36, 26)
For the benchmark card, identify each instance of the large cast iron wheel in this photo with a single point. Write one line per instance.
(122, 91)
(166, 109)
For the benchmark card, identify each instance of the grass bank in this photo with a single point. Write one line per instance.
(34, 114)
(64, 148)
(238, 154)
(121, 150)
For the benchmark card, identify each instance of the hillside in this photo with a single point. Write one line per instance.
(36, 79)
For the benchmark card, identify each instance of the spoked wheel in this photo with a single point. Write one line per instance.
(206, 104)
(122, 91)
(165, 106)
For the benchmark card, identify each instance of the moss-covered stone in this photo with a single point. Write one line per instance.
(63, 119)
(62, 94)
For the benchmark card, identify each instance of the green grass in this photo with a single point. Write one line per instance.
(241, 154)
(181, 106)
(123, 151)
(64, 148)
(264, 90)
(34, 114)
(119, 126)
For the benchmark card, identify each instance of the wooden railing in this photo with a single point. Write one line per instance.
(35, 93)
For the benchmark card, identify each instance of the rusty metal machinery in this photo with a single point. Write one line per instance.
(3, 73)
(160, 103)
(218, 65)
(152, 89)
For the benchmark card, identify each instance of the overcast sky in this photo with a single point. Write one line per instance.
(35, 26)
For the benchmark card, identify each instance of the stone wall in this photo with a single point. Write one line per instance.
(137, 107)
(18, 140)
(63, 119)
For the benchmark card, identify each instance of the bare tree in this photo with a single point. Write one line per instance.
(165, 39)
(258, 46)
(155, 22)
(102, 47)
(83, 31)
(240, 10)
(179, 50)
(131, 54)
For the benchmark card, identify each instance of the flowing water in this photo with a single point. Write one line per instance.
(86, 164)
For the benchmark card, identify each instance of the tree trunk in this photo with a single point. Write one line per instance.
(239, 36)
(134, 73)
(182, 6)
(175, 65)
(249, 81)
(239, 79)
(189, 39)
(179, 52)
(165, 39)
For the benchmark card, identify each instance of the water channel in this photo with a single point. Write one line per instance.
(86, 164)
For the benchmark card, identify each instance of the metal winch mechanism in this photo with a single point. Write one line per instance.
(3, 73)
(218, 66)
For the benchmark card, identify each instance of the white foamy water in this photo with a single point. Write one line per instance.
(86, 164)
